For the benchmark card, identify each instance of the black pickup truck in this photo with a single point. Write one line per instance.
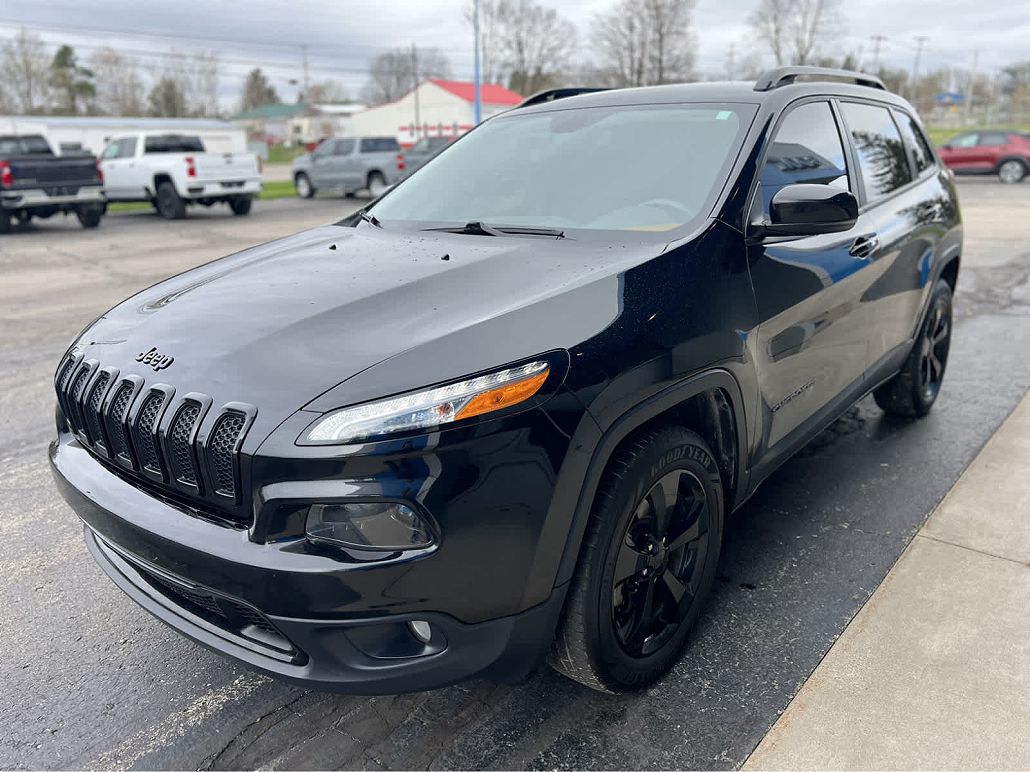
(34, 182)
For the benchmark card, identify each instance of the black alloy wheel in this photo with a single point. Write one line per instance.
(647, 561)
(933, 350)
(915, 388)
(659, 566)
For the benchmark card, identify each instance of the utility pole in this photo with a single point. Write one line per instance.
(476, 104)
(414, 75)
(304, 60)
(920, 42)
(877, 40)
(971, 84)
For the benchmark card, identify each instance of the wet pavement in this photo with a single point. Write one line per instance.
(90, 680)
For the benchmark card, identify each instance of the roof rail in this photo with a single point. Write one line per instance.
(784, 76)
(551, 94)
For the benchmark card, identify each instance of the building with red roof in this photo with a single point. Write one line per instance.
(436, 108)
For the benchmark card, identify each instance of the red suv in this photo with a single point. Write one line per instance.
(1005, 153)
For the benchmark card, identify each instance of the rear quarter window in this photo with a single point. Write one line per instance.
(915, 141)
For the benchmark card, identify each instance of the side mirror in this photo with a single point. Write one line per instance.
(808, 210)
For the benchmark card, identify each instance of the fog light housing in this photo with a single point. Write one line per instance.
(421, 630)
(377, 525)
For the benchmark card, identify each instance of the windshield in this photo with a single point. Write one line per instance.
(654, 167)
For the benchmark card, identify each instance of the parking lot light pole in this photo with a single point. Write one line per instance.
(476, 105)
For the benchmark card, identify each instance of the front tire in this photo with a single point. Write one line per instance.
(648, 560)
(303, 185)
(89, 216)
(1011, 171)
(169, 205)
(240, 205)
(376, 185)
(913, 391)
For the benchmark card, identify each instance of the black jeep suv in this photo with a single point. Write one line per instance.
(500, 415)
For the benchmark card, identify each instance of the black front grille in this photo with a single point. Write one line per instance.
(183, 466)
(91, 411)
(143, 437)
(157, 442)
(75, 400)
(223, 452)
(116, 422)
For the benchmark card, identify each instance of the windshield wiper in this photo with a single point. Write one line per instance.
(371, 219)
(477, 228)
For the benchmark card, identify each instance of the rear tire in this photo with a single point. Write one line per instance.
(303, 185)
(1011, 171)
(640, 585)
(169, 205)
(89, 215)
(240, 205)
(5, 222)
(913, 391)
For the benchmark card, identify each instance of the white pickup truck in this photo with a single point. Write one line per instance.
(173, 170)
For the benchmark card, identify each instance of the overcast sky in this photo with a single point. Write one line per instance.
(342, 35)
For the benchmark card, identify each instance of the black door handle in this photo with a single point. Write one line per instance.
(864, 245)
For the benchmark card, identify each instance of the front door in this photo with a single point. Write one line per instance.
(812, 341)
(118, 162)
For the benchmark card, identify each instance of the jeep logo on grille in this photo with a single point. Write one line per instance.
(155, 359)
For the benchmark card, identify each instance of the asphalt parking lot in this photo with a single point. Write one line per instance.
(90, 680)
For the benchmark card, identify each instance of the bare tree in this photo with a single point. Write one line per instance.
(394, 73)
(26, 70)
(527, 46)
(200, 73)
(118, 83)
(794, 29)
(645, 42)
(331, 91)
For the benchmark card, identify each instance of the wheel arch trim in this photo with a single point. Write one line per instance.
(630, 421)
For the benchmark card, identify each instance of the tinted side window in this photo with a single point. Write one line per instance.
(881, 153)
(344, 147)
(172, 143)
(379, 145)
(807, 148)
(994, 138)
(918, 148)
(963, 140)
(126, 147)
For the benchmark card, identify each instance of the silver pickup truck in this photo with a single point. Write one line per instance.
(347, 165)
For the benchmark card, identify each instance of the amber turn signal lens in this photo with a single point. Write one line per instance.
(504, 396)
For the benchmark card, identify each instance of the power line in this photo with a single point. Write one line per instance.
(6, 21)
(877, 40)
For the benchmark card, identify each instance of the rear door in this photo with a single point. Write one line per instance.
(813, 338)
(902, 197)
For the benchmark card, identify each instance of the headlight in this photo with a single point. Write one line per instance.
(433, 407)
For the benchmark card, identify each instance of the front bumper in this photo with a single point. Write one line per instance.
(351, 656)
(322, 620)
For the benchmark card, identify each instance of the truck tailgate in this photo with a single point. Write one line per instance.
(227, 167)
(48, 171)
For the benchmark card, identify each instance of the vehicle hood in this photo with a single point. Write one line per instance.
(280, 324)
